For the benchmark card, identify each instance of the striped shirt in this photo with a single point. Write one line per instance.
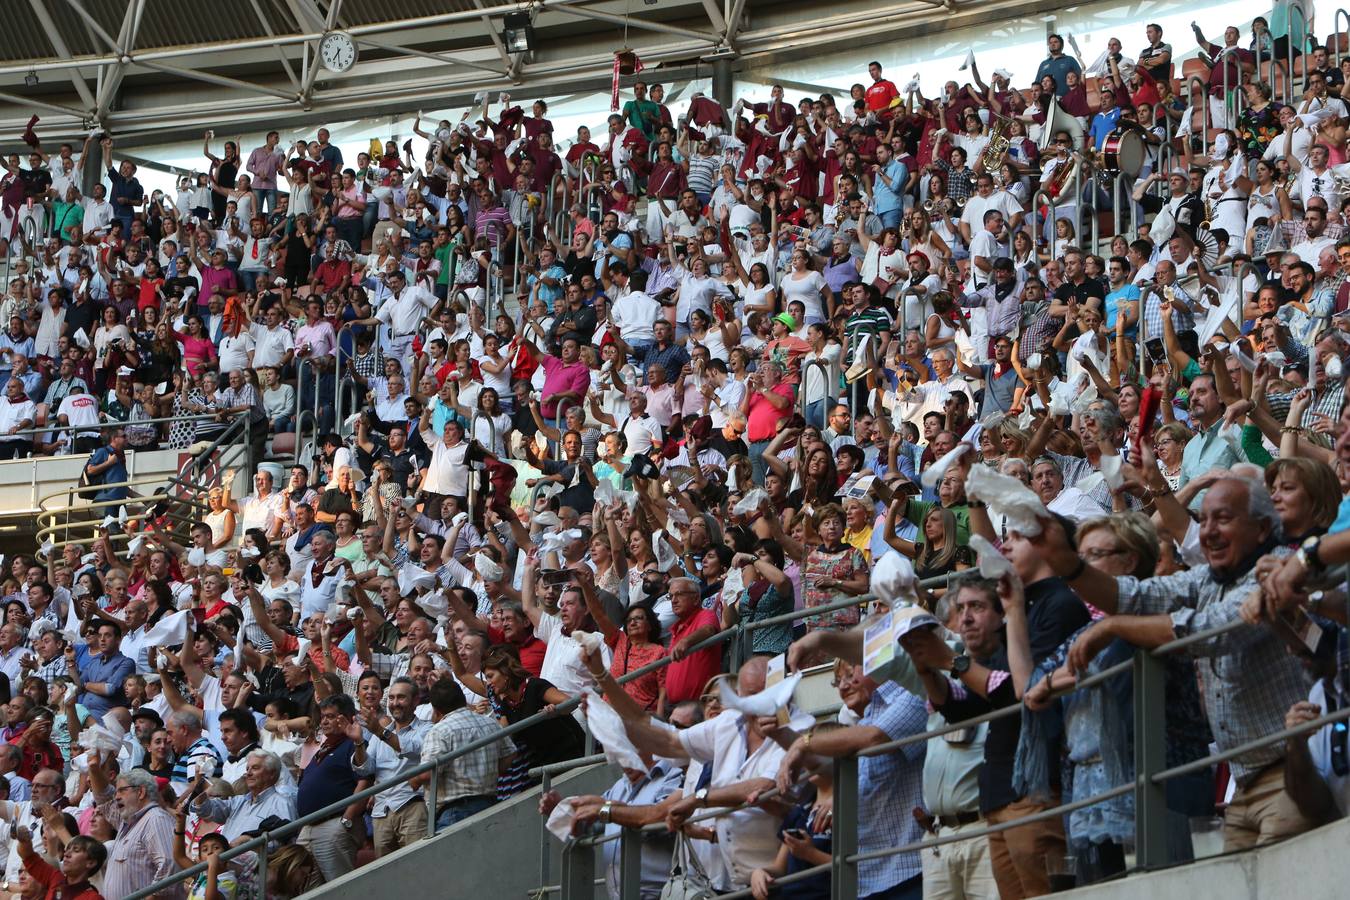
(142, 854)
(492, 223)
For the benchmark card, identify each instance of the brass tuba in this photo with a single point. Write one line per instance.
(991, 158)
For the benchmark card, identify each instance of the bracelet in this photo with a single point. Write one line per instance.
(181, 833)
(1291, 429)
(1159, 492)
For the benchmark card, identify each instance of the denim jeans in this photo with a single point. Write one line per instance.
(815, 413)
(265, 197)
(462, 810)
(280, 424)
(891, 217)
(324, 384)
(757, 465)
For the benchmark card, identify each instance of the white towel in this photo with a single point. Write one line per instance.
(1008, 497)
(609, 733)
(169, 631)
(992, 563)
(766, 703)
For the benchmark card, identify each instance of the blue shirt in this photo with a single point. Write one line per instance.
(113, 672)
(550, 295)
(1127, 294)
(1059, 70)
(888, 198)
(889, 787)
(1103, 123)
(116, 474)
(328, 778)
(1342, 518)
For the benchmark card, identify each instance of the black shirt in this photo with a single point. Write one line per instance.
(1090, 287)
(1054, 612)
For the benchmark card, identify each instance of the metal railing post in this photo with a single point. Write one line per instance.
(1150, 756)
(545, 785)
(844, 874)
(1204, 112)
(1302, 46)
(630, 864)
(578, 871)
(1339, 32)
(433, 788)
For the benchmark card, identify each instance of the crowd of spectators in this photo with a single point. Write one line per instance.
(749, 362)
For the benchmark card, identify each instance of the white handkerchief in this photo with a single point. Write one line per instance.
(750, 503)
(487, 567)
(170, 630)
(665, 556)
(301, 650)
(893, 579)
(589, 640)
(766, 703)
(560, 820)
(1110, 467)
(554, 543)
(413, 578)
(992, 563)
(547, 519)
(196, 557)
(81, 339)
(609, 733)
(970, 60)
(1008, 497)
(932, 476)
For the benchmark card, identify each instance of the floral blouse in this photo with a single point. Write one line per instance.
(844, 563)
(1256, 129)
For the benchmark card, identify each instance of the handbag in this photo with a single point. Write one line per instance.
(688, 880)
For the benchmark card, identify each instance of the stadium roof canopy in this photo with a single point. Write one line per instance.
(157, 69)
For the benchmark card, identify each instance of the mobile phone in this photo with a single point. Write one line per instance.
(799, 833)
(1155, 349)
(557, 576)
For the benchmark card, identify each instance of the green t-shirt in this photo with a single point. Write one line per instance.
(447, 258)
(643, 115)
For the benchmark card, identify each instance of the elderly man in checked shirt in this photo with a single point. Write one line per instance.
(890, 785)
(1249, 678)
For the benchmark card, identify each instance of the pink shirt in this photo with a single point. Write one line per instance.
(319, 336)
(560, 377)
(661, 404)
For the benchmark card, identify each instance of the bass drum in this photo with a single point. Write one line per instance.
(1123, 151)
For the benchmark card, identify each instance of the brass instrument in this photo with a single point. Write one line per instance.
(991, 158)
(1209, 214)
(1059, 179)
(939, 207)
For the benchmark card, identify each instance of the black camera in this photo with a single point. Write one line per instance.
(253, 573)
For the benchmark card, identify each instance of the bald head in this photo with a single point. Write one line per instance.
(750, 679)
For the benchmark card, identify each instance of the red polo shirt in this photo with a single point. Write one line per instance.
(685, 679)
(531, 652)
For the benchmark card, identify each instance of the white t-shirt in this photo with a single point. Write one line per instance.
(807, 290)
(234, 351)
(636, 314)
(79, 410)
(270, 345)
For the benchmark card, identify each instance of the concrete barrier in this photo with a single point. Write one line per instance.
(495, 854)
(1307, 867)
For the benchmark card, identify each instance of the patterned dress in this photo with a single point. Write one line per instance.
(843, 563)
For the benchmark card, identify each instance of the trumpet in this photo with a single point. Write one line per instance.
(937, 206)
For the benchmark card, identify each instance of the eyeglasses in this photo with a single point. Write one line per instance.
(1095, 555)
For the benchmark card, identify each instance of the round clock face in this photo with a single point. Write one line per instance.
(337, 52)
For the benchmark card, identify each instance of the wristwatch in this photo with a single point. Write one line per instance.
(1309, 554)
(701, 797)
(606, 810)
(960, 665)
(346, 823)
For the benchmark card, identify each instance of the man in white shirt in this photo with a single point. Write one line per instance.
(98, 212)
(403, 313)
(1314, 227)
(273, 343)
(986, 198)
(635, 312)
(743, 758)
(263, 509)
(17, 412)
(984, 249)
(722, 393)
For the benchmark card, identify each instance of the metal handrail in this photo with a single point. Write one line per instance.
(824, 379)
(1039, 226)
(1204, 112)
(105, 426)
(1339, 32)
(261, 842)
(1291, 83)
(1144, 785)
